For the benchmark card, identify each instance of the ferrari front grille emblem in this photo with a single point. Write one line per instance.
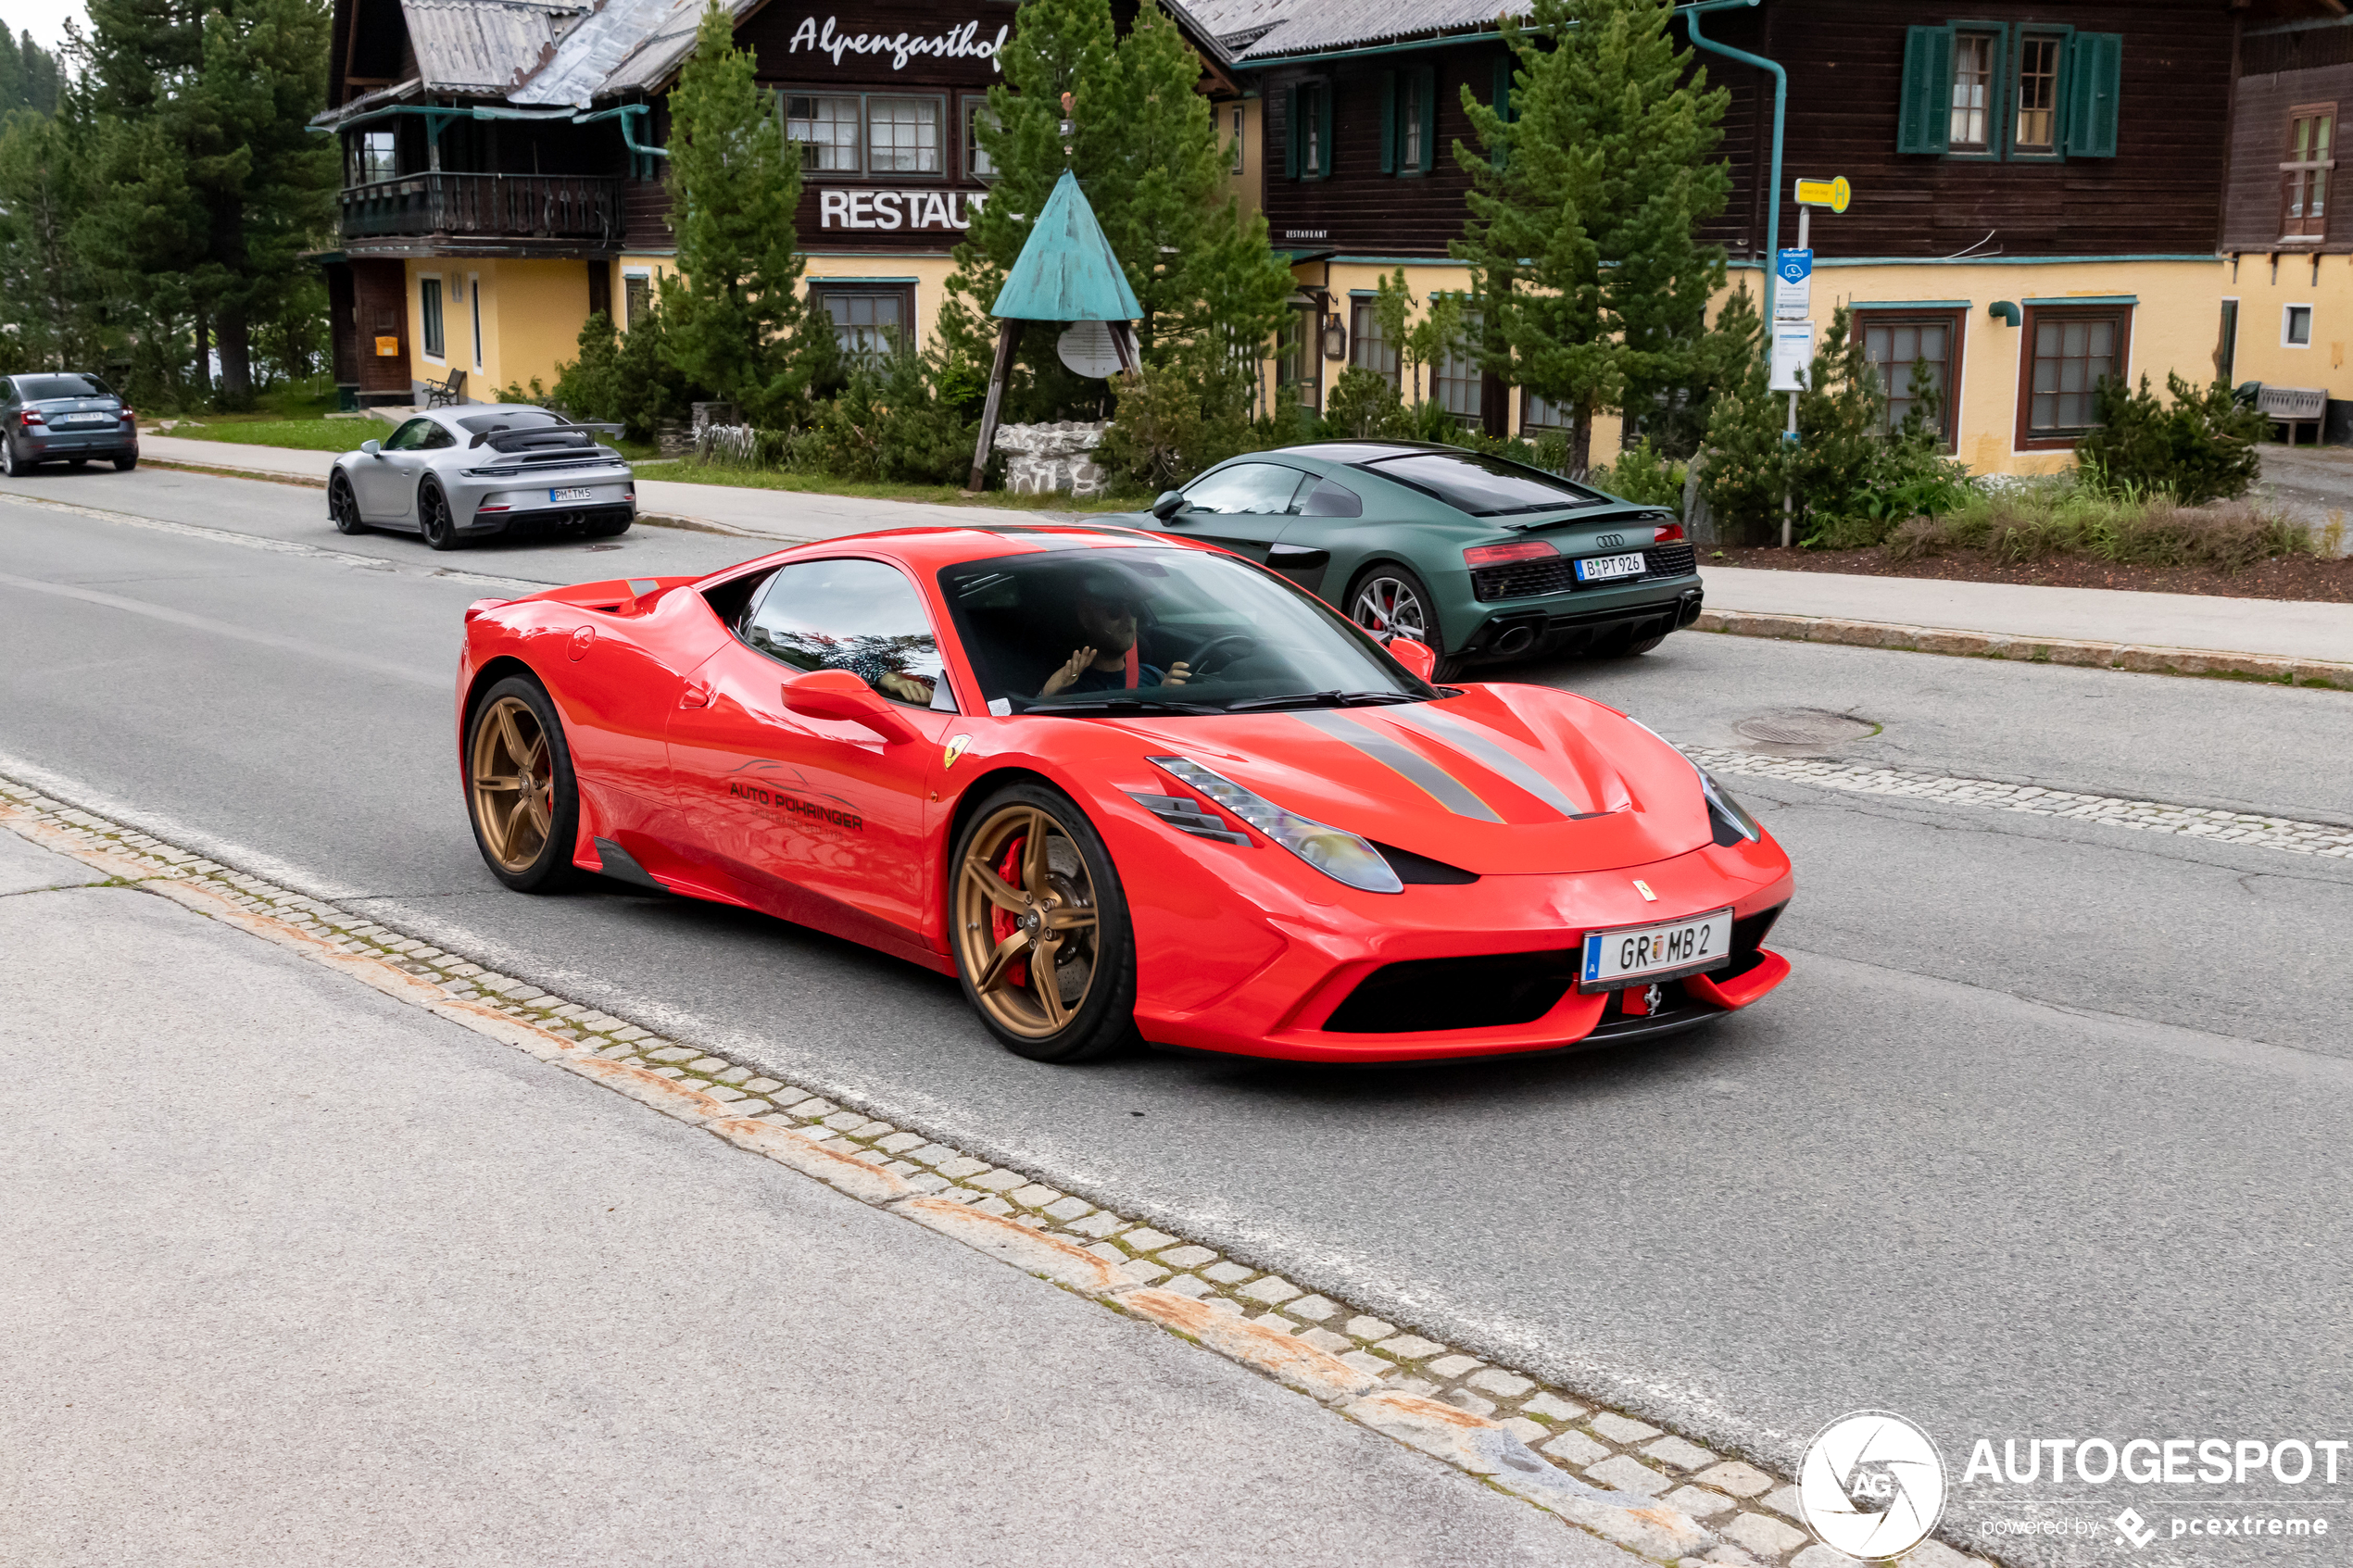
(955, 748)
(1645, 889)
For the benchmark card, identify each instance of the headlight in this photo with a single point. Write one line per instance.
(1341, 856)
(1727, 812)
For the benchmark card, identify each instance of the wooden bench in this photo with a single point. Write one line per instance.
(2293, 406)
(441, 393)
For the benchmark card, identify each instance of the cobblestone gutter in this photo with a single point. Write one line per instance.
(1630, 1482)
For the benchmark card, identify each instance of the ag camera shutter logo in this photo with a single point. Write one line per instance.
(1872, 1484)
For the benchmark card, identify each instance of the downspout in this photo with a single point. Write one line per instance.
(1780, 110)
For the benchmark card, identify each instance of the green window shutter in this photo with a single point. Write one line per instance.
(1502, 103)
(1388, 122)
(1429, 75)
(1324, 129)
(2094, 72)
(1924, 119)
(1291, 138)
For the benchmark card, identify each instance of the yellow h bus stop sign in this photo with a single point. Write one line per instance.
(1832, 193)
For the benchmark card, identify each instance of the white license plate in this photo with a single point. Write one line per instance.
(1619, 958)
(569, 495)
(87, 420)
(1602, 569)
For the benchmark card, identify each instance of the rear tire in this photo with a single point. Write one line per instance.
(520, 793)
(1047, 955)
(77, 464)
(11, 465)
(1393, 601)
(439, 525)
(609, 528)
(1617, 645)
(343, 506)
(124, 465)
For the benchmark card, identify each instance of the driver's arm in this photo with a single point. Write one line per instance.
(1073, 667)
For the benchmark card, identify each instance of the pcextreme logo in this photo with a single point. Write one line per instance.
(1872, 1484)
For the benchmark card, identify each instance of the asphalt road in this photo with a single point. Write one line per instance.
(2043, 1139)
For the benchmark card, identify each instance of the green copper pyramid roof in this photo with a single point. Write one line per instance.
(1065, 271)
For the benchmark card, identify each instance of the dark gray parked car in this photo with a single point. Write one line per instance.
(64, 417)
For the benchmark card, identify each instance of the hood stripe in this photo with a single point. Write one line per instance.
(1442, 786)
(1457, 733)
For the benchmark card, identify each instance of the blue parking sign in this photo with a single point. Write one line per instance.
(1793, 280)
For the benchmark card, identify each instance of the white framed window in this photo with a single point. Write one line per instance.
(375, 156)
(473, 300)
(429, 317)
(2296, 326)
(978, 164)
(902, 135)
(827, 129)
(1409, 123)
(637, 298)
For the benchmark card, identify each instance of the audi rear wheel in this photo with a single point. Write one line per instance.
(1039, 926)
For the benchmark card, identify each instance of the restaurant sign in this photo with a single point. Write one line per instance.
(898, 209)
(956, 44)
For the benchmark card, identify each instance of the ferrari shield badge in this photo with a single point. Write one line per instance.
(953, 749)
(1645, 889)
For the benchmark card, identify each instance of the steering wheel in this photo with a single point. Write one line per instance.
(1241, 643)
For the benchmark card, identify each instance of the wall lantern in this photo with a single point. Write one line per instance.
(1335, 339)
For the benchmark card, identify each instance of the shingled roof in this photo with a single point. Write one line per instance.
(1265, 30)
(476, 47)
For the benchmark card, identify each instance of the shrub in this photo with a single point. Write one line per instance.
(1642, 474)
(1175, 419)
(622, 378)
(1363, 405)
(2201, 448)
(2066, 515)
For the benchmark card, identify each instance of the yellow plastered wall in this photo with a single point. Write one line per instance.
(2175, 314)
(2263, 296)
(530, 314)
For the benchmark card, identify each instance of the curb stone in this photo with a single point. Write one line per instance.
(1398, 1384)
(2142, 659)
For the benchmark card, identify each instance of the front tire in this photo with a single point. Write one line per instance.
(433, 512)
(520, 793)
(1040, 929)
(343, 506)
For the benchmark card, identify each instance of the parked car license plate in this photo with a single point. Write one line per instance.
(86, 419)
(1631, 953)
(1602, 569)
(580, 495)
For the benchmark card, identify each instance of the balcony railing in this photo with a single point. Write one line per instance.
(581, 209)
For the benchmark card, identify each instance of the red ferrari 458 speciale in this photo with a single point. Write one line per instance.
(1119, 785)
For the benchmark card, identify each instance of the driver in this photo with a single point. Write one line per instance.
(1104, 604)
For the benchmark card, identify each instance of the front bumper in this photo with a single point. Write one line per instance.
(1308, 961)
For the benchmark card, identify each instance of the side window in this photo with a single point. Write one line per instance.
(1332, 499)
(856, 615)
(414, 437)
(1265, 488)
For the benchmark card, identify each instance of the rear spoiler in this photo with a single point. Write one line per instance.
(550, 438)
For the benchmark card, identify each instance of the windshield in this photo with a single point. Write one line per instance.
(509, 419)
(1484, 487)
(1158, 629)
(41, 389)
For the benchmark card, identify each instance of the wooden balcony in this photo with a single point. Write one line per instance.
(486, 214)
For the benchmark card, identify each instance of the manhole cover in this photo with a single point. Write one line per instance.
(1808, 727)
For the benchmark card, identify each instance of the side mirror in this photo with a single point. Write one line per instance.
(374, 449)
(837, 693)
(1415, 657)
(1170, 502)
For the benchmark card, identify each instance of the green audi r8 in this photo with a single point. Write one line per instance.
(1482, 558)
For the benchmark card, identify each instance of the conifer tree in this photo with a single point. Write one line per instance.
(1589, 275)
(730, 309)
(40, 276)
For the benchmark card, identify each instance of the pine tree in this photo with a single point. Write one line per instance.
(28, 76)
(1590, 282)
(730, 309)
(40, 276)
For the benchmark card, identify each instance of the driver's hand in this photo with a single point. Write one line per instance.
(1074, 667)
(1178, 673)
(906, 688)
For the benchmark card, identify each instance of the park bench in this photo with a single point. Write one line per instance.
(2293, 406)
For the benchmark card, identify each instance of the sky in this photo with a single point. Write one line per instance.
(46, 19)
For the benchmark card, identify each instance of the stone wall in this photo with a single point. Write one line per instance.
(1046, 458)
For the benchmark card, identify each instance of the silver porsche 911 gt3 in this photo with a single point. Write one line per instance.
(459, 474)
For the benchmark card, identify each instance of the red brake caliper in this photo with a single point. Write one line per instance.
(1001, 922)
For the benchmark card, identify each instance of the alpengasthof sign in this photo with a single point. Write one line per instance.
(956, 44)
(898, 209)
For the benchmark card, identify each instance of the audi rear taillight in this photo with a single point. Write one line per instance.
(1668, 534)
(1498, 555)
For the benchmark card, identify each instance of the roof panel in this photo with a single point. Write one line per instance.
(1301, 28)
(484, 45)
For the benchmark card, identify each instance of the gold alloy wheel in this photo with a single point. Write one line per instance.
(513, 779)
(1028, 941)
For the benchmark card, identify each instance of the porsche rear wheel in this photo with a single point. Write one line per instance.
(1042, 939)
(433, 512)
(343, 506)
(520, 789)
